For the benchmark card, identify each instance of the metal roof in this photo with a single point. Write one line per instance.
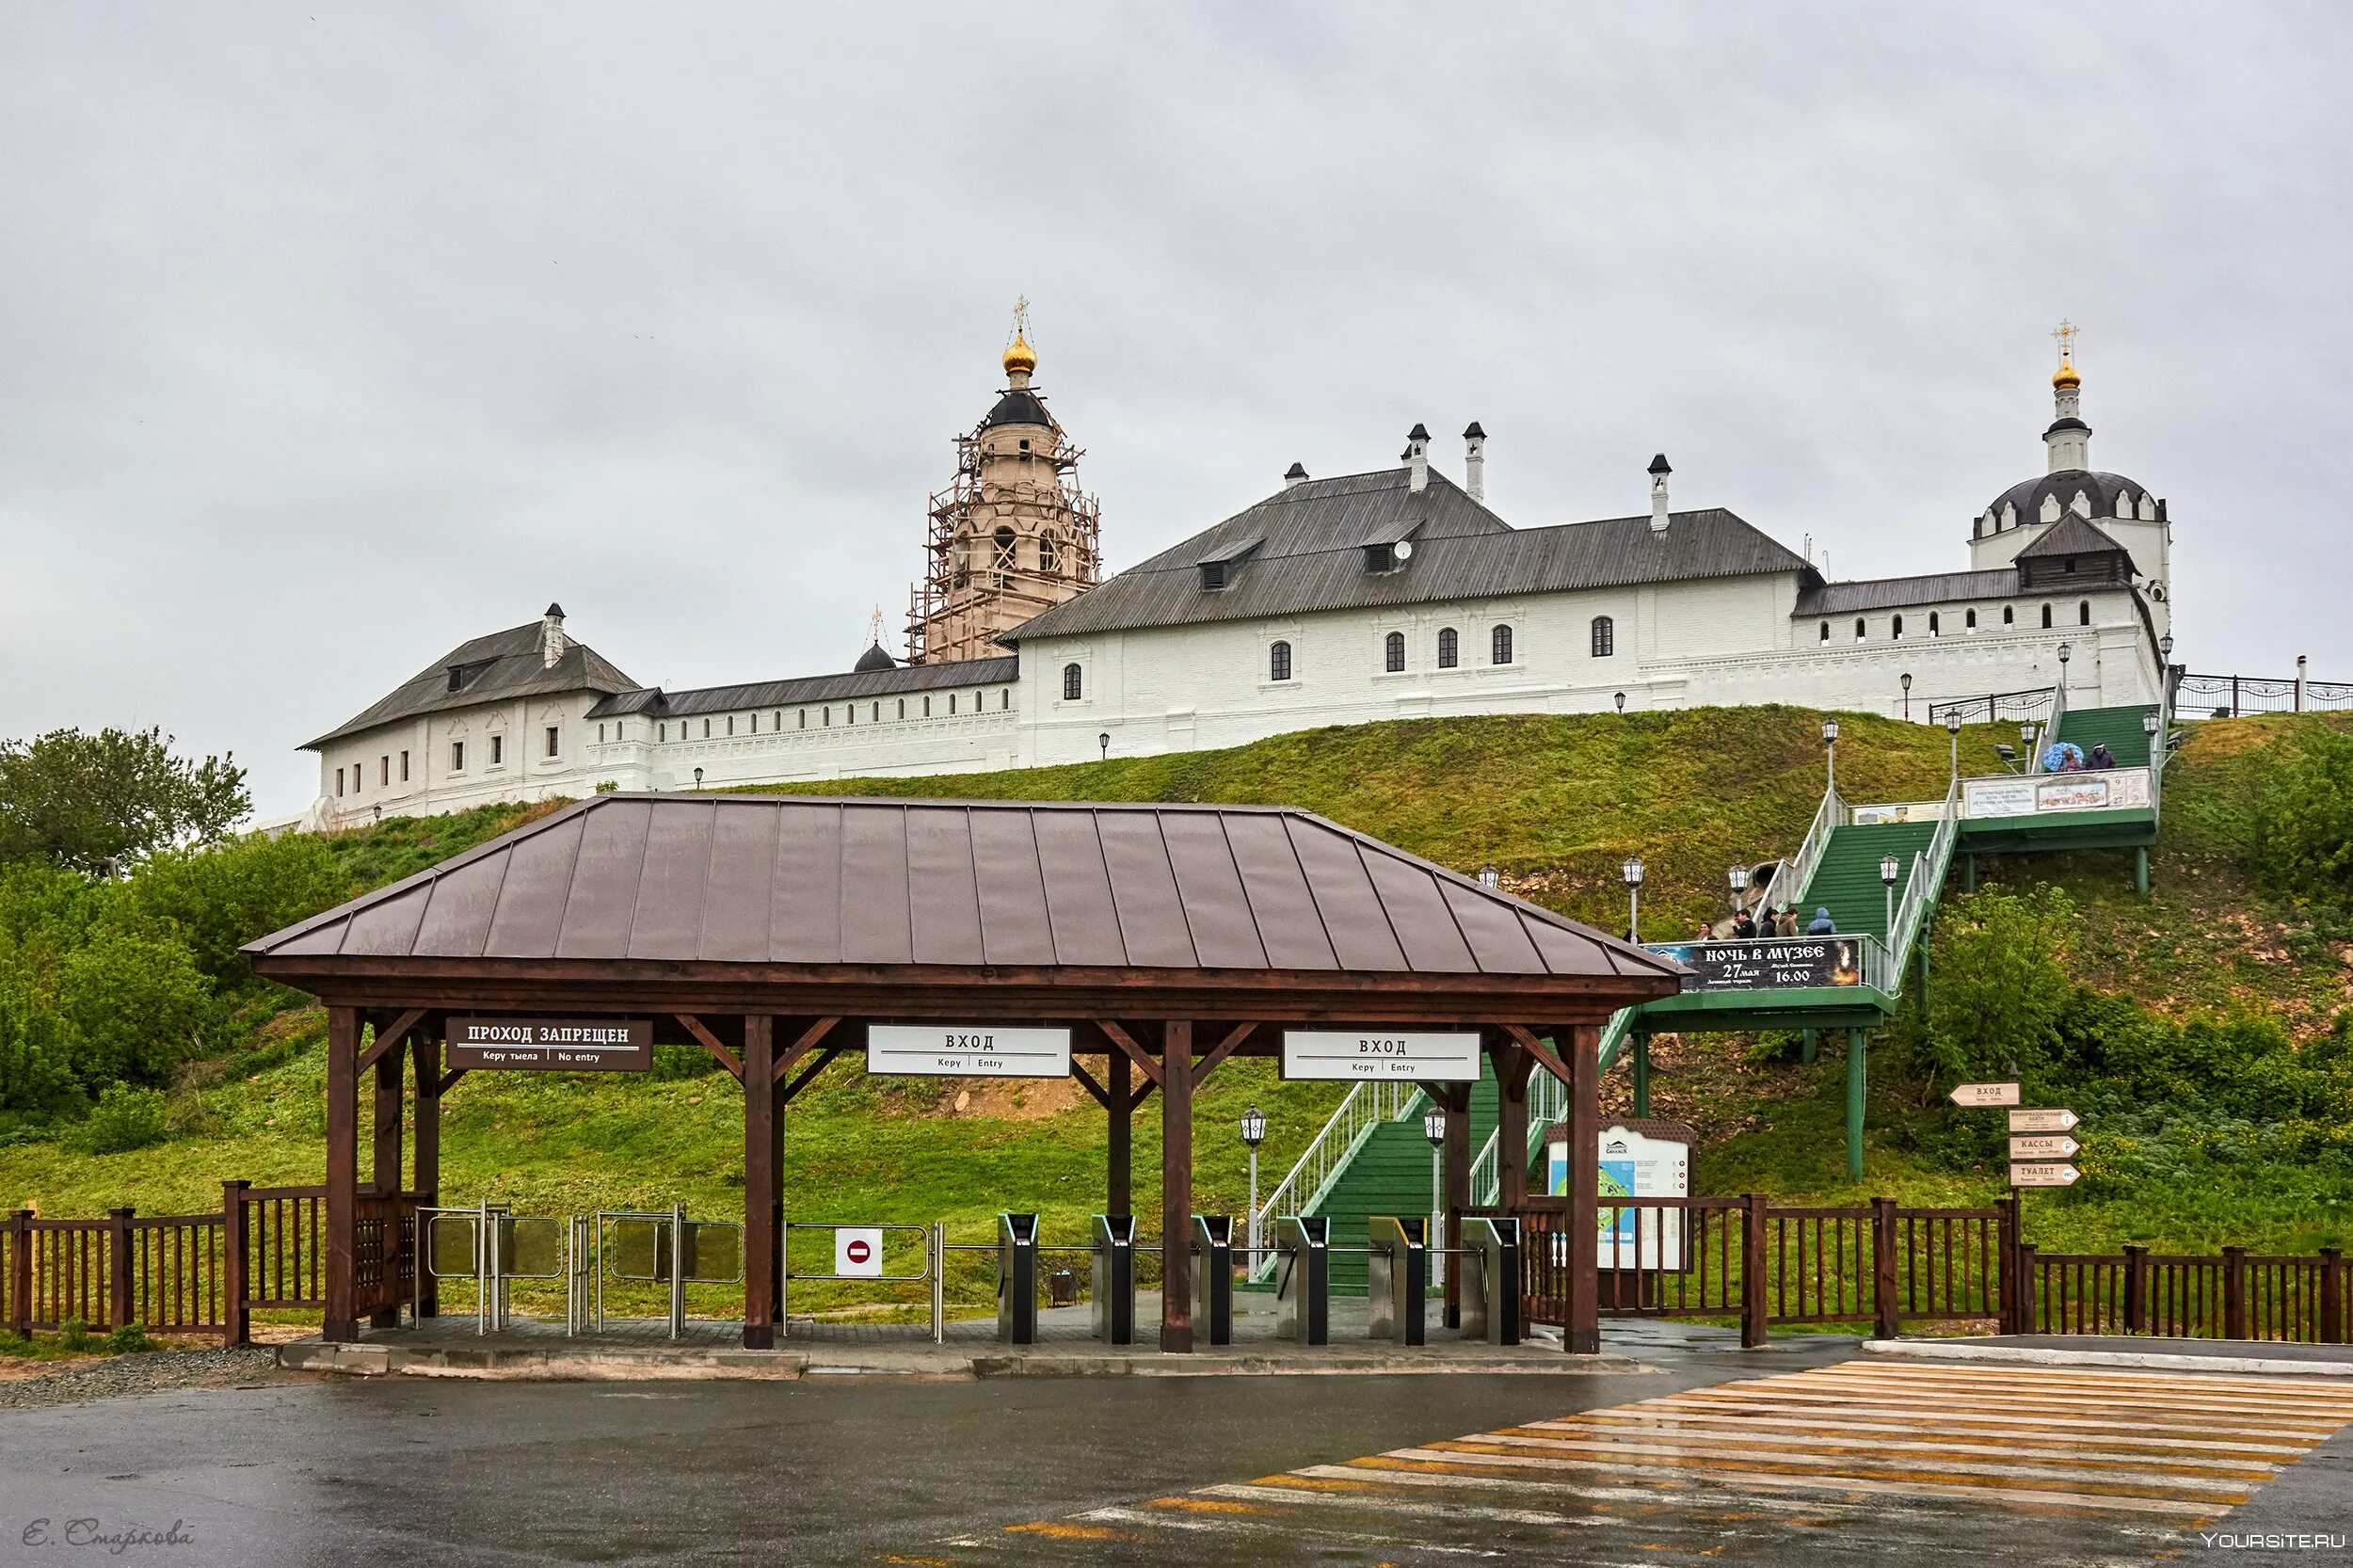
(1000, 671)
(502, 664)
(2072, 535)
(1312, 557)
(780, 880)
(1902, 593)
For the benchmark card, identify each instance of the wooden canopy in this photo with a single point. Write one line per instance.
(772, 930)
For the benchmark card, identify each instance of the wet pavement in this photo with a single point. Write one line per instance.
(1770, 1468)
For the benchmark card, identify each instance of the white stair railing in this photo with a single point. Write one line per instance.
(1547, 1108)
(1921, 890)
(1367, 1106)
(1828, 818)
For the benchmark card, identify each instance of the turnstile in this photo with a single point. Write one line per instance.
(1213, 1278)
(1303, 1278)
(1017, 1278)
(1115, 1278)
(1396, 1277)
(1490, 1278)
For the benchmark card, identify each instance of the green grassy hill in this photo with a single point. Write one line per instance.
(1555, 803)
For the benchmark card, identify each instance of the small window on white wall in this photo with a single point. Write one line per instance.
(457, 756)
(498, 748)
(1449, 648)
(1860, 627)
(1605, 637)
(1896, 630)
(2010, 614)
(1969, 621)
(1825, 636)
(1393, 653)
(1073, 685)
(1278, 662)
(2046, 617)
(1934, 629)
(1499, 645)
(2083, 613)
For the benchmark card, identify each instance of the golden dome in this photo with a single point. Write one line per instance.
(1020, 358)
(2065, 375)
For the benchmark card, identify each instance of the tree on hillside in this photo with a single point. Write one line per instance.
(2303, 820)
(98, 804)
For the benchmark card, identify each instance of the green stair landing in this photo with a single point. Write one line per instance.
(1390, 1173)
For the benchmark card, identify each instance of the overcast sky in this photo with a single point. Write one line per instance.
(332, 336)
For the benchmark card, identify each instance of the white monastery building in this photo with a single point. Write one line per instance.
(1390, 594)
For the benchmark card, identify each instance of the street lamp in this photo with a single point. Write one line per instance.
(1253, 1134)
(1905, 680)
(1434, 1128)
(2164, 648)
(1952, 727)
(1738, 877)
(1890, 867)
(1490, 877)
(698, 779)
(1619, 699)
(2065, 653)
(1103, 744)
(1829, 749)
(1632, 872)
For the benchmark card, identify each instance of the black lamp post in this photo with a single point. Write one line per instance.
(698, 779)
(1890, 869)
(1952, 727)
(1829, 749)
(1905, 680)
(1632, 872)
(1103, 744)
(1490, 877)
(1619, 699)
(1738, 877)
(1434, 1128)
(1253, 1134)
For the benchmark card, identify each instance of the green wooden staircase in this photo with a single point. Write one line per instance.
(2120, 728)
(1847, 880)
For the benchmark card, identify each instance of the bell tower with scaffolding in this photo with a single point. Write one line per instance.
(1013, 534)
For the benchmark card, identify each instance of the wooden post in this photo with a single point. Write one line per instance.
(1512, 1066)
(2331, 1329)
(386, 1177)
(1888, 1307)
(1581, 1335)
(2005, 1245)
(20, 1273)
(236, 1248)
(117, 1267)
(1119, 1159)
(1753, 1267)
(2136, 1288)
(2029, 1316)
(2235, 1292)
(424, 1048)
(343, 1172)
(1458, 1194)
(762, 1251)
(1642, 1074)
(1176, 1186)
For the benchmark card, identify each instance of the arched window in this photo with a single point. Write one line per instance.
(1073, 684)
(1004, 549)
(1449, 648)
(1605, 636)
(1393, 653)
(1896, 630)
(804, 724)
(1860, 627)
(2083, 613)
(1499, 645)
(665, 732)
(1048, 554)
(1278, 662)
(2046, 617)
(1825, 636)
(1934, 629)
(2010, 614)
(1969, 621)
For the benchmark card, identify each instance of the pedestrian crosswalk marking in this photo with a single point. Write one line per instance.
(1866, 1445)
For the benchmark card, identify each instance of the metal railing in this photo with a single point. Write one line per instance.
(1995, 707)
(1828, 818)
(1547, 1108)
(1367, 1105)
(2230, 697)
(1927, 881)
(2050, 728)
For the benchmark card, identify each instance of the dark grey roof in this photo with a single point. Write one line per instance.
(1297, 470)
(1420, 432)
(1020, 405)
(1473, 429)
(1312, 557)
(1659, 465)
(777, 880)
(1000, 671)
(1901, 592)
(2072, 535)
(2027, 494)
(502, 664)
(875, 658)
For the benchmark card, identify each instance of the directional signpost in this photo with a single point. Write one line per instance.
(2035, 1146)
(2043, 1121)
(2043, 1174)
(1978, 1095)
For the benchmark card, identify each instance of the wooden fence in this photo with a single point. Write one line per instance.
(182, 1273)
(2238, 1295)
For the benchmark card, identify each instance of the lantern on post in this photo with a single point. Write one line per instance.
(1434, 1128)
(1253, 1134)
(1830, 750)
(1632, 872)
(1890, 869)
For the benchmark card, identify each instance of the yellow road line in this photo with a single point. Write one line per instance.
(2136, 1420)
(2075, 1393)
(1868, 1460)
(2001, 1438)
(2252, 1470)
(1468, 1512)
(2335, 1389)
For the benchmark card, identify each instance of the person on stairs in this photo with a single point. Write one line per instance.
(1744, 927)
(1823, 924)
(1785, 924)
(2101, 757)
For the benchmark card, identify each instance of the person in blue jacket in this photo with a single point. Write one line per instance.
(1823, 925)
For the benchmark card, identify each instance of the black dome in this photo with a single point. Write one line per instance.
(2103, 489)
(875, 658)
(1020, 405)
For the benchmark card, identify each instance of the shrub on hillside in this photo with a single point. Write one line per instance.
(135, 1006)
(126, 1118)
(2000, 988)
(2302, 821)
(221, 898)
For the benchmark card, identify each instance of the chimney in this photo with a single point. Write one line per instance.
(1294, 476)
(1418, 458)
(1475, 462)
(1659, 471)
(551, 639)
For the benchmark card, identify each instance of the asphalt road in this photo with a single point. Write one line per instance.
(1143, 1471)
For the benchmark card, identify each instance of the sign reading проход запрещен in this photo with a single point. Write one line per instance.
(1421, 1058)
(968, 1051)
(551, 1045)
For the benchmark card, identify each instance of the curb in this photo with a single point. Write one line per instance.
(2157, 1360)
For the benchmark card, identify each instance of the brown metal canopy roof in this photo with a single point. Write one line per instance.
(763, 890)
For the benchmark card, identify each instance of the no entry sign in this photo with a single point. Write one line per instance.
(858, 1252)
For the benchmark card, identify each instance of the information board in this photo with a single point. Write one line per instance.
(1780, 963)
(1309, 1053)
(551, 1045)
(968, 1051)
(1634, 1165)
(2032, 794)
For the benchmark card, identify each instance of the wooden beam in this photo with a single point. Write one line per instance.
(388, 1040)
(1120, 1037)
(1512, 1067)
(447, 1081)
(1118, 1155)
(787, 1059)
(425, 1052)
(760, 1190)
(1456, 1098)
(1541, 1052)
(825, 1059)
(1224, 1048)
(710, 1042)
(343, 1173)
(1176, 1186)
(1086, 1081)
(1581, 1335)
